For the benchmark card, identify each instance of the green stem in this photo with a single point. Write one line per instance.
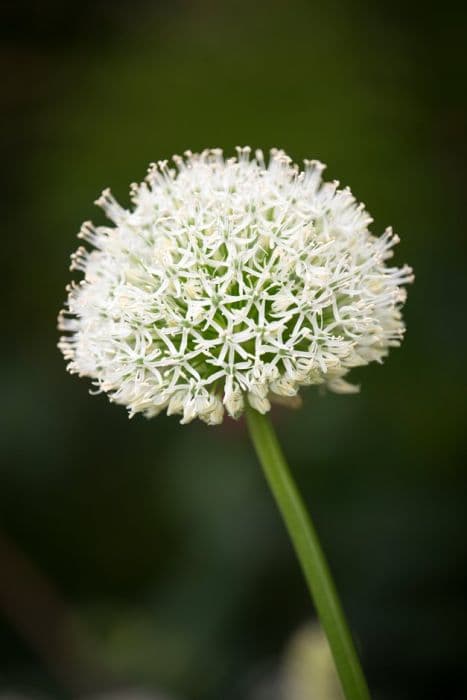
(308, 549)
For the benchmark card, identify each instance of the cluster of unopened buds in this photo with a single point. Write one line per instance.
(230, 280)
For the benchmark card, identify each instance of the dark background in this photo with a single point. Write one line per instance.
(149, 553)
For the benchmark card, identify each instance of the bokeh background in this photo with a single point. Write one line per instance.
(138, 554)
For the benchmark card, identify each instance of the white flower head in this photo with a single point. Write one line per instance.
(230, 281)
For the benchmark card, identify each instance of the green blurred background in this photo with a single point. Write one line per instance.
(150, 555)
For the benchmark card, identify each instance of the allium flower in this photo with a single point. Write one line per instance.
(230, 281)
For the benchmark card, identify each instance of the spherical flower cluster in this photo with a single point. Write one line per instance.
(230, 281)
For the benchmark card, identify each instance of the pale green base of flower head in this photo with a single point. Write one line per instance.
(230, 281)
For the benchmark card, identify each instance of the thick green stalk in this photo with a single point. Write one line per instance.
(312, 560)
